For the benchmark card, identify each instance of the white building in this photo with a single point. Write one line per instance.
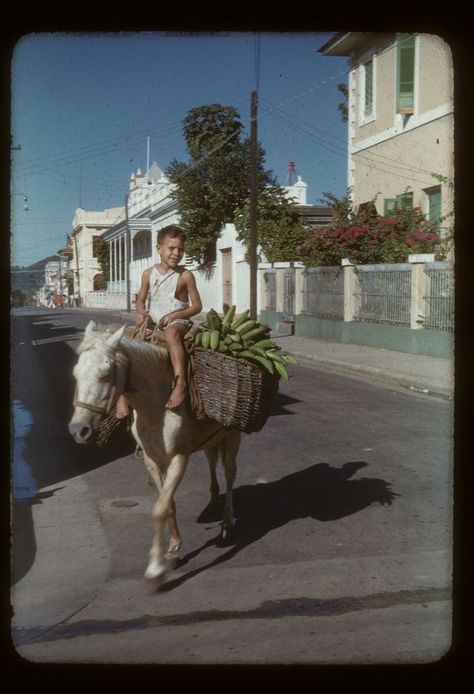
(87, 228)
(132, 247)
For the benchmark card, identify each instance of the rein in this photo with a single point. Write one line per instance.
(120, 361)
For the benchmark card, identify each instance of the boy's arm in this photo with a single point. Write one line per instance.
(142, 295)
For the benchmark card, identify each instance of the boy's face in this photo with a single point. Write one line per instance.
(171, 251)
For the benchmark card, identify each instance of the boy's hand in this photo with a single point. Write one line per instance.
(140, 318)
(169, 318)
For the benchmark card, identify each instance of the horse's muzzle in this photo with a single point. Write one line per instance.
(82, 432)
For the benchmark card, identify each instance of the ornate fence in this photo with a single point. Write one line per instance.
(384, 294)
(323, 292)
(439, 296)
(417, 294)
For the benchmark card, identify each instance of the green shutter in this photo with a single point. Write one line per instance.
(389, 205)
(405, 201)
(434, 206)
(405, 73)
(369, 88)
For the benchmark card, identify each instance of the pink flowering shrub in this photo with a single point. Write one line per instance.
(368, 238)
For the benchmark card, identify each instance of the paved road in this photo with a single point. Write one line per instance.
(343, 544)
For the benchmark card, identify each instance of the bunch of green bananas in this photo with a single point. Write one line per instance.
(244, 338)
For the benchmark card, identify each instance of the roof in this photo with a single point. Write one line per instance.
(344, 43)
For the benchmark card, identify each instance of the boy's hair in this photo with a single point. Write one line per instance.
(173, 231)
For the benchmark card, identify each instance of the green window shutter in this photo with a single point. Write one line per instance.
(369, 88)
(434, 206)
(389, 205)
(405, 73)
(405, 201)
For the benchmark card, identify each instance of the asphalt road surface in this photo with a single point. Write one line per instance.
(342, 551)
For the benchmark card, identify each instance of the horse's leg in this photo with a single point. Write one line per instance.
(229, 448)
(163, 508)
(212, 455)
(174, 536)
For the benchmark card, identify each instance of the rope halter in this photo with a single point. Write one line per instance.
(121, 363)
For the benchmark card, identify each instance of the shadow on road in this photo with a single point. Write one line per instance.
(43, 387)
(321, 492)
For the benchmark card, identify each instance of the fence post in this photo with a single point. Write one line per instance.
(280, 289)
(351, 297)
(418, 301)
(299, 290)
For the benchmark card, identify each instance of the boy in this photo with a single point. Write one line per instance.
(174, 298)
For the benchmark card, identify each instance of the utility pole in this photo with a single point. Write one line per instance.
(127, 257)
(253, 205)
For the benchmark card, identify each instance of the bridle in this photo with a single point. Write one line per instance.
(121, 363)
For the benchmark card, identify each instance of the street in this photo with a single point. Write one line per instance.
(342, 552)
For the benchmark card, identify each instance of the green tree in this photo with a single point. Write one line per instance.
(101, 252)
(279, 227)
(215, 183)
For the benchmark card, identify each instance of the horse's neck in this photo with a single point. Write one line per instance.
(149, 373)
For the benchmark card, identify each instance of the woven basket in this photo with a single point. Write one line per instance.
(234, 392)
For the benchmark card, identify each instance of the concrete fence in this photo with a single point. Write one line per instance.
(407, 306)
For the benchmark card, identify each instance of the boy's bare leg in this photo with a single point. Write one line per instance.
(122, 407)
(174, 336)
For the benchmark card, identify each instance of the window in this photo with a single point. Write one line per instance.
(434, 204)
(401, 202)
(368, 89)
(405, 73)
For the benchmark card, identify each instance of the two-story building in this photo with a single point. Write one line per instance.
(400, 121)
(88, 227)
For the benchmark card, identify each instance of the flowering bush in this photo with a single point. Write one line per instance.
(368, 238)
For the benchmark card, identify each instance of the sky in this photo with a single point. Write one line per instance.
(83, 105)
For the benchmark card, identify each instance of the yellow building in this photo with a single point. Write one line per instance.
(400, 121)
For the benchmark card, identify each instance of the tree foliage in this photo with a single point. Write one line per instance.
(215, 183)
(101, 251)
(279, 227)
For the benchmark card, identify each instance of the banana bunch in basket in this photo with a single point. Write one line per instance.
(244, 338)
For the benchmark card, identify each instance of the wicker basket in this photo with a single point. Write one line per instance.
(234, 392)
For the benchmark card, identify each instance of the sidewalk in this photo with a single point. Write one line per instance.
(417, 372)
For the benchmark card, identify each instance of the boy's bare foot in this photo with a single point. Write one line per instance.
(178, 393)
(121, 410)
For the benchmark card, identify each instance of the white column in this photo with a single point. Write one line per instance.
(110, 267)
(299, 290)
(351, 295)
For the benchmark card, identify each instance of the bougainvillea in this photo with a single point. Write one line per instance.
(370, 238)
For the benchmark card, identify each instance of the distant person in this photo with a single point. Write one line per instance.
(174, 298)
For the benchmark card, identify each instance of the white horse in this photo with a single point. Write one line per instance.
(109, 364)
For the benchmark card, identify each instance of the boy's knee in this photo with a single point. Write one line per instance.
(173, 334)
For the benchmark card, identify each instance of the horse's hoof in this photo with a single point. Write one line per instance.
(155, 574)
(226, 534)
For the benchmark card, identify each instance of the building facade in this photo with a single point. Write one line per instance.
(88, 228)
(400, 121)
(131, 246)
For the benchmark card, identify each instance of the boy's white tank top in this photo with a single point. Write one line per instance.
(162, 294)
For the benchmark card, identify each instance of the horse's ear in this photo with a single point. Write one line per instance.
(91, 328)
(114, 339)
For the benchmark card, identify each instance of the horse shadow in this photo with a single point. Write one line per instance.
(321, 492)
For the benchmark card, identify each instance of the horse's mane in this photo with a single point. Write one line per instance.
(144, 354)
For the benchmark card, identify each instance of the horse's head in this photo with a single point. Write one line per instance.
(100, 377)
